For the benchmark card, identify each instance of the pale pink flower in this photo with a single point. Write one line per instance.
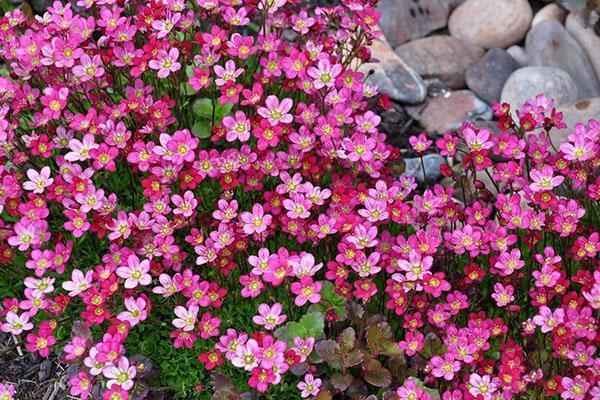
(16, 324)
(277, 112)
(310, 386)
(186, 317)
(79, 282)
(269, 317)
(165, 62)
(38, 181)
(135, 273)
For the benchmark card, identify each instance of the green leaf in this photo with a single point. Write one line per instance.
(324, 394)
(314, 323)
(432, 346)
(202, 129)
(203, 108)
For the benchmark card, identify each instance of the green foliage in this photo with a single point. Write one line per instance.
(206, 113)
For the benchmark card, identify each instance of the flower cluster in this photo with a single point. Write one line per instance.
(166, 159)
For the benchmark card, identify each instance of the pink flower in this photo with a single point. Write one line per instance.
(79, 282)
(503, 294)
(324, 73)
(165, 26)
(121, 374)
(6, 391)
(574, 388)
(40, 342)
(544, 180)
(186, 317)
(89, 68)
(277, 112)
(81, 385)
(185, 205)
(16, 324)
(310, 386)
(306, 291)
(548, 319)
(38, 181)
(245, 355)
(228, 74)
(165, 62)
(54, 101)
(269, 317)
(412, 343)
(136, 311)
(135, 273)
(238, 128)
(256, 221)
(444, 367)
(482, 386)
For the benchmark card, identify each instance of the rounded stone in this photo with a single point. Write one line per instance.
(487, 76)
(441, 56)
(491, 23)
(526, 83)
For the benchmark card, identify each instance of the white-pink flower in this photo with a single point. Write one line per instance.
(186, 317)
(135, 273)
(136, 311)
(121, 374)
(16, 324)
(482, 386)
(544, 180)
(165, 62)
(277, 112)
(269, 317)
(38, 181)
(548, 319)
(256, 221)
(79, 282)
(324, 73)
(238, 128)
(310, 386)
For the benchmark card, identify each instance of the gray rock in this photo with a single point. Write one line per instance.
(576, 112)
(404, 20)
(551, 11)
(487, 76)
(519, 54)
(526, 83)
(393, 76)
(445, 113)
(549, 44)
(491, 23)
(587, 38)
(431, 162)
(441, 56)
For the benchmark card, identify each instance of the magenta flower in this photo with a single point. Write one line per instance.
(54, 101)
